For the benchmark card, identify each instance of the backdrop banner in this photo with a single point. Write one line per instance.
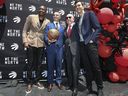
(13, 14)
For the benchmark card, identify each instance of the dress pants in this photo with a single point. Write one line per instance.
(54, 62)
(34, 56)
(72, 68)
(90, 61)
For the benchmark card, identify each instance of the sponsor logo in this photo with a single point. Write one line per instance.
(12, 74)
(32, 8)
(14, 46)
(16, 19)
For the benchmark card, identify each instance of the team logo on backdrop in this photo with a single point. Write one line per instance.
(13, 33)
(3, 19)
(11, 60)
(62, 2)
(44, 73)
(26, 60)
(48, 0)
(0, 75)
(16, 19)
(2, 47)
(16, 6)
(62, 12)
(14, 46)
(49, 10)
(32, 8)
(72, 3)
(12, 74)
(75, 14)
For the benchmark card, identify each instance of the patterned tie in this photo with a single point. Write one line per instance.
(69, 31)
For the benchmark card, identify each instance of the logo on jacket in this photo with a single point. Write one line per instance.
(12, 74)
(14, 46)
(32, 8)
(16, 19)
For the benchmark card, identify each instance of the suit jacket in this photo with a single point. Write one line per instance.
(59, 42)
(72, 42)
(90, 27)
(33, 31)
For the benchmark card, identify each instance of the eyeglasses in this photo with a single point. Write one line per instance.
(68, 17)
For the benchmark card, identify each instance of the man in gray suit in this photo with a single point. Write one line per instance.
(33, 32)
(71, 55)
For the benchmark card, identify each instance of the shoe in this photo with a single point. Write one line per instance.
(68, 88)
(89, 92)
(100, 92)
(29, 89)
(50, 87)
(74, 92)
(39, 85)
(60, 86)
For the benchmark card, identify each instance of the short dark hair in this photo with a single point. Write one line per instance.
(79, 1)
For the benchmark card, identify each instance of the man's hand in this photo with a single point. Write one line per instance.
(52, 41)
(26, 45)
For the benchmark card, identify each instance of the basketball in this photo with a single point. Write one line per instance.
(53, 34)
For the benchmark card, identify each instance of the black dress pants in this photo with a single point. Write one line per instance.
(90, 61)
(34, 56)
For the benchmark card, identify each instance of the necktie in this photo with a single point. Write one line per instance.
(69, 31)
(57, 27)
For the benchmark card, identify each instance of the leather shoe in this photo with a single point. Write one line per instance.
(68, 88)
(74, 92)
(60, 86)
(100, 92)
(50, 87)
(89, 92)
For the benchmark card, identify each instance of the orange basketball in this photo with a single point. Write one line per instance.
(53, 34)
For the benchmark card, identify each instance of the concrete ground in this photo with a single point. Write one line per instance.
(18, 89)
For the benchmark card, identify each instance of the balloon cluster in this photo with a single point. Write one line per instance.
(113, 40)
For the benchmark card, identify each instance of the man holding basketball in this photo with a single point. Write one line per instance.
(54, 51)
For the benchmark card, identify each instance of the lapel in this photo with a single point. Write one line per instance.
(37, 24)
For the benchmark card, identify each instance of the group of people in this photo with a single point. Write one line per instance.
(76, 44)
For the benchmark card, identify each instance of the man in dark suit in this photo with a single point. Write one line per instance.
(71, 55)
(54, 52)
(89, 29)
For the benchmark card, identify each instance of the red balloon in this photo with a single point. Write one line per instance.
(104, 51)
(115, 1)
(116, 19)
(112, 28)
(113, 76)
(122, 60)
(105, 15)
(122, 70)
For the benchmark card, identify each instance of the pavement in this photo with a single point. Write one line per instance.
(14, 88)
